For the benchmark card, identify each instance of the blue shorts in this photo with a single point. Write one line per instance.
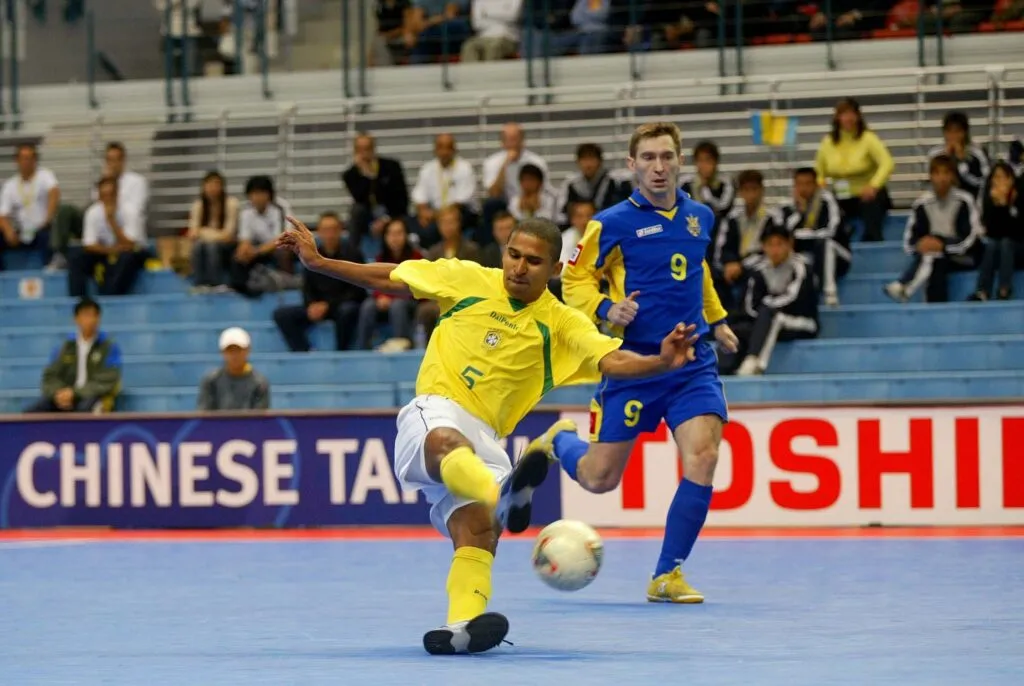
(623, 409)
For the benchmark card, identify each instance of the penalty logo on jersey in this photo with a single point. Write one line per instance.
(492, 339)
(576, 254)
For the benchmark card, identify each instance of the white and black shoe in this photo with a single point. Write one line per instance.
(475, 636)
(517, 491)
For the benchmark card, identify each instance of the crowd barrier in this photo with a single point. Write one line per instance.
(831, 466)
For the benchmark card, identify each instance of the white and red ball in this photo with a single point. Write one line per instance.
(567, 555)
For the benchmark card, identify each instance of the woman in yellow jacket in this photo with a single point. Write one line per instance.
(857, 165)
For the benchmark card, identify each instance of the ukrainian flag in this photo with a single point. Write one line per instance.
(768, 128)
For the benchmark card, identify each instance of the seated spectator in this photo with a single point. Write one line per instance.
(501, 172)
(593, 183)
(179, 26)
(1015, 156)
(971, 161)
(84, 374)
(496, 30)
(553, 15)
(706, 186)
(738, 241)
(958, 16)
(212, 226)
(388, 45)
(28, 205)
(111, 237)
(324, 298)
(1002, 215)
(1008, 10)
(581, 214)
(535, 199)
(435, 28)
(235, 386)
(780, 302)
(452, 245)
(447, 180)
(378, 189)
(260, 222)
(396, 310)
(857, 165)
(852, 19)
(671, 22)
(942, 231)
(821, 236)
(132, 187)
(502, 227)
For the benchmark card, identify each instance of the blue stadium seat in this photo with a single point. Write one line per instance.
(56, 285)
(922, 320)
(865, 289)
(886, 257)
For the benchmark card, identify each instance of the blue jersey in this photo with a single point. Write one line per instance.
(661, 253)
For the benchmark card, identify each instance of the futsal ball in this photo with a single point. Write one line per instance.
(567, 555)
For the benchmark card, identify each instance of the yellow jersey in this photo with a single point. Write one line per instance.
(492, 354)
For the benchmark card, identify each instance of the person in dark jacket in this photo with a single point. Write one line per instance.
(594, 183)
(378, 189)
(84, 374)
(780, 302)
(324, 298)
(1002, 215)
(707, 185)
(941, 236)
(972, 165)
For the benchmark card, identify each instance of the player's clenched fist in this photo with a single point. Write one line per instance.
(624, 312)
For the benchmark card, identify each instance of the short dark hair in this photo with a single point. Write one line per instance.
(501, 215)
(545, 231)
(957, 119)
(706, 148)
(331, 214)
(589, 150)
(105, 180)
(774, 229)
(750, 176)
(942, 161)
(531, 170)
(805, 171)
(26, 146)
(87, 304)
(260, 183)
(117, 145)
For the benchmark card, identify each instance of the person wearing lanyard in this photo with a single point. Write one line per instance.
(28, 203)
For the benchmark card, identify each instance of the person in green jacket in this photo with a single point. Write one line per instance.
(84, 374)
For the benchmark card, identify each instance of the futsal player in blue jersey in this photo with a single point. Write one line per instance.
(651, 249)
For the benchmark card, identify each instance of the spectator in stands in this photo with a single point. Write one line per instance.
(535, 199)
(553, 15)
(1015, 155)
(132, 187)
(212, 226)
(378, 189)
(1008, 10)
(706, 186)
(396, 310)
(942, 231)
(260, 222)
(738, 241)
(853, 18)
(324, 298)
(816, 222)
(84, 374)
(1002, 215)
(594, 183)
(178, 27)
(501, 171)
(388, 45)
(112, 236)
(435, 28)
(857, 165)
(580, 215)
(235, 386)
(453, 245)
(502, 227)
(971, 161)
(958, 16)
(28, 205)
(445, 180)
(780, 302)
(671, 22)
(496, 30)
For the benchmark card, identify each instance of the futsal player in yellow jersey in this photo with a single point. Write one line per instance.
(503, 340)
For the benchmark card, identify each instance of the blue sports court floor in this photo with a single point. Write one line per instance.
(909, 611)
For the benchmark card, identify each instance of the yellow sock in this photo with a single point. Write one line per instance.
(466, 475)
(469, 583)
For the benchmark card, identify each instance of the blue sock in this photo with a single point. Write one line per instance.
(686, 517)
(569, 448)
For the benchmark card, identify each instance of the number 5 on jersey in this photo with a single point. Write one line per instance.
(470, 375)
(678, 266)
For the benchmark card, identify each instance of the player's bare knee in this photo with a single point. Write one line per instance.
(700, 464)
(438, 443)
(473, 525)
(600, 478)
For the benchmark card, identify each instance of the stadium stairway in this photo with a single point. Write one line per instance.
(870, 348)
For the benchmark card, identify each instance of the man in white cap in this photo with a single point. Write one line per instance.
(236, 385)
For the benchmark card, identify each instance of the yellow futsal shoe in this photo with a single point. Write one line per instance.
(671, 587)
(545, 442)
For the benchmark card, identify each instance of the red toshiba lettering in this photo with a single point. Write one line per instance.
(780, 447)
(633, 495)
(917, 462)
(1013, 461)
(968, 477)
(742, 486)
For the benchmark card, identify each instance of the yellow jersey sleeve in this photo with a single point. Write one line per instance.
(713, 310)
(578, 348)
(446, 281)
(581, 280)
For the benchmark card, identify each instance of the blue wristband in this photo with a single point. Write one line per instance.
(602, 309)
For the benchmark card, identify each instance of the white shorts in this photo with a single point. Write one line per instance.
(421, 416)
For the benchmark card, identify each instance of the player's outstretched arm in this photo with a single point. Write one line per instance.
(375, 276)
(676, 350)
